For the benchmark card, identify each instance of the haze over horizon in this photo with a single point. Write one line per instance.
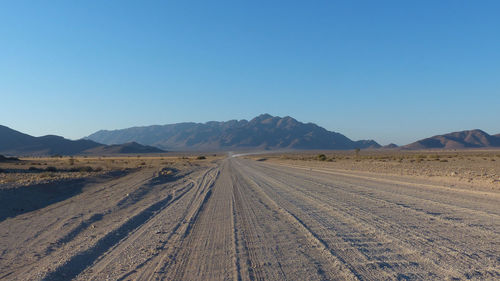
(388, 71)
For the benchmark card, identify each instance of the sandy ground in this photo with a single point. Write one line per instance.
(471, 169)
(31, 171)
(242, 219)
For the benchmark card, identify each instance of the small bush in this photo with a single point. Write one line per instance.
(201, 157)
(321, 157)
(87, 169)
(51, 169)
(443, 160)
(33, 169)
(356, 151)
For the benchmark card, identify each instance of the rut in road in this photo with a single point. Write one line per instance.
(275, 245)
(48, 236)
(138, 256)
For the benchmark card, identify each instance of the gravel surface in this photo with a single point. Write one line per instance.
(240, 219)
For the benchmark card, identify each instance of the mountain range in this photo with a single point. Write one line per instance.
(13, 142)
(262, 132)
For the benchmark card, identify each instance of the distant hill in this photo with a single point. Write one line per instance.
(262, 132)
(16, 143)
(458, 140)
(390, 146)
(367, 144)
(131, 147)
(13, 142)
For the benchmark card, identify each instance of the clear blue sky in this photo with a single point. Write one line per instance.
(394, 71)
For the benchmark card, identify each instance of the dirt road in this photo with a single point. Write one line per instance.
(241, 219)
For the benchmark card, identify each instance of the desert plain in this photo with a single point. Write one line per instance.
(315, 215)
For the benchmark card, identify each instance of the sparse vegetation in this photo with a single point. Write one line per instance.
(42, 170)
(479, 166)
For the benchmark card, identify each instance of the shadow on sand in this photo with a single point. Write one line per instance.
(20, 200)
